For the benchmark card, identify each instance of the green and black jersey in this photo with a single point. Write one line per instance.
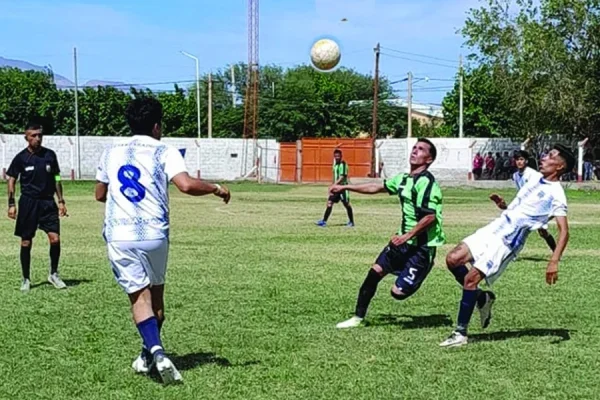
(340, 170)
(419, 196)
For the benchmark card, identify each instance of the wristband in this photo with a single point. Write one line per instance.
(11, 202)
(61, 202)
(218, 188)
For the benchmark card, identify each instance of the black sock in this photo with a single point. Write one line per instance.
(366, 292)
(54, 257)
(467, 306)
(327, 213)
(350, 214)
(460, 273)
(26, 261)
(551, 243)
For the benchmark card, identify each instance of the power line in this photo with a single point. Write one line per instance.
(419, 55)
(420, 61)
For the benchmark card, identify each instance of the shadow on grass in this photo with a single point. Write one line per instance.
(68, 282)
(411, 321)
(190, 361)
(559, 335)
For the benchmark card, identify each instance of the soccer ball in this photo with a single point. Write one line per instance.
(325, 54)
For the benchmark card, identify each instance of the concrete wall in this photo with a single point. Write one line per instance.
(454, 159)
(217, 159)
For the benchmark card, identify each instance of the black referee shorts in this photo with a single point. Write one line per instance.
(36, 213)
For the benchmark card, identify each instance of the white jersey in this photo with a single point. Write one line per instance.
(137, 171)
(529, 174)
(536, 203)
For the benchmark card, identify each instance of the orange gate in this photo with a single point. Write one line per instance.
(316, 159)
(288, 162)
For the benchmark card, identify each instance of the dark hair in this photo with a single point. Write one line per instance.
(432, 149)
(33, 125)
(142, 114)
(521, 154)
(337, 151)
(566, 155)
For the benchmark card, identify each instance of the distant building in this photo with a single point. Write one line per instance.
(424, 113)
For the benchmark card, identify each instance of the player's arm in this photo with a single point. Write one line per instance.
(12, 206)
(197, 187)
(62, 208)
(429, 199)
(365, 188)
(13, 172)
(561, 244)
(499, 201)
(101, 191)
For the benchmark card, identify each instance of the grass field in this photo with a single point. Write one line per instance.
(255, 290)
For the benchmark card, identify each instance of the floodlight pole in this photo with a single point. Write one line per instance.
(197, 87)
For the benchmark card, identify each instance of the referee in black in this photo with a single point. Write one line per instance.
(37, 169)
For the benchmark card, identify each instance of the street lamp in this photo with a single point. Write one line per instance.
(197, 86)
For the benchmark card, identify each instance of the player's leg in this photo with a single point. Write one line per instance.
(334, 198)
(25, 256)
(50, 223)
(418, 265)
(25, 228)
(548, 238)
(156, 257)
(348, 206)
(368, 288)
(456, 261)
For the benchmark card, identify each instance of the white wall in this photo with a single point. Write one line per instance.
(454, 158)
(217, 159)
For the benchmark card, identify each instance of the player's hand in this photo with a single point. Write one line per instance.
(62, 210)
(12, 212)
(399, 240)
(333, 189)
(552, 272)
(498, 200)
(224, 193)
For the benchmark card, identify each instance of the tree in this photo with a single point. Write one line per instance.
(544, 59)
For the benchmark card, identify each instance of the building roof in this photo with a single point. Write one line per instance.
(426, 109)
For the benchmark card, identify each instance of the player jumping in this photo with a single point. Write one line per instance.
(411, 252)
(340, 177)
(132, 180)
(493, 247)
(523, 175)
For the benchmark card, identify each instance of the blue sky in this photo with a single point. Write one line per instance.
(139, 41)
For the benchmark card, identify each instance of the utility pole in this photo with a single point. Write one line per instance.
(409, 104)
(210, 105)
(375, 104)
(460, 112)
(77, 113)
(233, 86)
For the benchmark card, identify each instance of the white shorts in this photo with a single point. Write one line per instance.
(491, 256)
(137, 265)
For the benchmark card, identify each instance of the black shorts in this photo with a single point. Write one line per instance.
(344, 197)
(33, 214)
(411, 264)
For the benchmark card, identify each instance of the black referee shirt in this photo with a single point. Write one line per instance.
(37, 172)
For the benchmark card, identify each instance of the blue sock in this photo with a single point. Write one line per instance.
(460, 273)
(467, 305)
(150, 335)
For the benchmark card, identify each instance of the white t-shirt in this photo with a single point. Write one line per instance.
(137, 171)
(535, 204)
(528, 175)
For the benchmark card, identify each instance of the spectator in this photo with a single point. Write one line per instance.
(587, 169)
(498, 166)
(477, 166)
(489, 165)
